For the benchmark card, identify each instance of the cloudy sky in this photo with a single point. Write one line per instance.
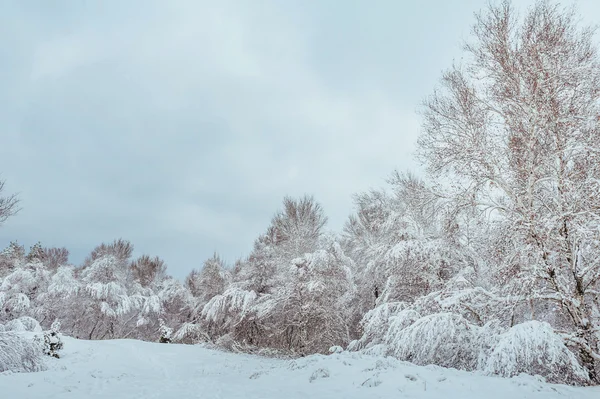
(181, 125)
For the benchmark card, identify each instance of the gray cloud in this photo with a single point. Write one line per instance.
(181, 125)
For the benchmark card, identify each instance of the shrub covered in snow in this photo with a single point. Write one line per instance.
(398, 323)
(450, 340)
(375, 323)
(190, 333)
(227, 342)
(52, 341)
(23, 324)
(444, 339)
(534, 348)
(165, 333)
(15, 326)
(19, 354)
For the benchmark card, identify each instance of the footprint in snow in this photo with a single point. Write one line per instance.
(372, 382)
(257, 375)
(318, 374)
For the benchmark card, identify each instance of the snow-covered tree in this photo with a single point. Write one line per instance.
(292, 293)
(210, 281)
(312, 312)
(104, 294)
(240, 314)
(36, 253)
(176, 303)
(11, 257)
(60, 300)
(19, 291)
(400, 244)
(515, 130)
(260, 272)
(298, 227)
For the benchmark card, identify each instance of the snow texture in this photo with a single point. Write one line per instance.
(123, 369)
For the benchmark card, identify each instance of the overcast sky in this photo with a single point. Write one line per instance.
(181, 125)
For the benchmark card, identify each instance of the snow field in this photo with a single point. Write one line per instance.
(128, 369)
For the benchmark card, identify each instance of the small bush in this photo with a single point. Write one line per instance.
(227, 342)
(15, 326)
(165, 334)
(443, 339)
(23, 324)
(19, 354)
(52, 341)
(190, 333)
(534, 348)
(30, 324)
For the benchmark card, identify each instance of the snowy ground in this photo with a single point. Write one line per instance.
(133, 369)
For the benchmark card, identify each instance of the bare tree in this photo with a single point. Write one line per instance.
(147, 270)
(299, 225)
(192, 283)
(303, 217)
(120, 249)
(516, 131)
(55, 257)
(8, 204)
(210, 281)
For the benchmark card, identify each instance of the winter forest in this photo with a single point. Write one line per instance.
(489, 262)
